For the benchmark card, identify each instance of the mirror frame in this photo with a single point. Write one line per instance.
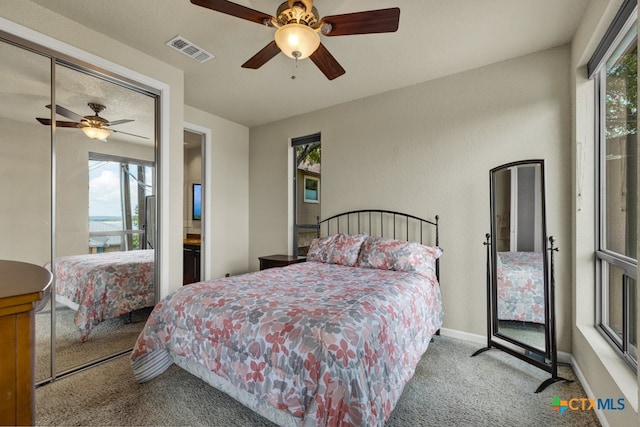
(544, 353)
(545, 359)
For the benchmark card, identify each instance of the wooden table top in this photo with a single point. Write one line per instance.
(20, 278)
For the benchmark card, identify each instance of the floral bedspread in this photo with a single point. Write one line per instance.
(326, 343)
(520, 286)
(104, 286)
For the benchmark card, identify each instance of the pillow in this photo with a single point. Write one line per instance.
(321, 248)
(346, 249)
(338, 248)
(418, 258)
(378, 252)
(390, 254)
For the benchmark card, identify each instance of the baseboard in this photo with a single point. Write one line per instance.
(587, 390)
(566, 358)
(480, 339)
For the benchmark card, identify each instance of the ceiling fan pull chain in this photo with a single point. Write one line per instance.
(296, 55)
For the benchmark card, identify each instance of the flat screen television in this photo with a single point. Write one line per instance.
(197, 201)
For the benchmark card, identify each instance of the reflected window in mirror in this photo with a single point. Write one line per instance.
(616, 78)
(118, 189)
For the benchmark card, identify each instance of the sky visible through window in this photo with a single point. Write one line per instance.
(104, 189)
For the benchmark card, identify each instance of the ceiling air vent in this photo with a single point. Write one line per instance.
(194, 52)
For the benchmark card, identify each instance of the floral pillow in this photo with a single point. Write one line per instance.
(418, 258)
(346, 249)
(321, 248)
(378, 252)
(390, 254)
(338, 248)
(499, 266)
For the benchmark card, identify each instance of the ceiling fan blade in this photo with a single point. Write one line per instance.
(369, 22)
(262, 57)
(119, 122)
(127, 133)
(234, 9)
(326, 63)
(67, 113)
(59, 123)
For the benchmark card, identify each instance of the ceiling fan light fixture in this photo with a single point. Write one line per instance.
(297, 41)
(97, 133)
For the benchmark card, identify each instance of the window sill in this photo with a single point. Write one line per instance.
(621, 374)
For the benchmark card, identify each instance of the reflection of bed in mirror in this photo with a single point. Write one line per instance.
(520, 277)
(104, 286)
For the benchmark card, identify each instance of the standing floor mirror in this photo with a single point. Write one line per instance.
(520, 280)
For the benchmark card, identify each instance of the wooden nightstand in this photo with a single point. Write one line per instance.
(271, 261)
(191, 259)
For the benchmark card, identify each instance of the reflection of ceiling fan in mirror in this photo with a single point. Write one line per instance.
(95, 127)
(298, 26)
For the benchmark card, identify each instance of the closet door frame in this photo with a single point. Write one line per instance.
(61, 53)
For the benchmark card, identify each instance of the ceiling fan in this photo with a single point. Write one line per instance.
(94, 126)
(298, 26)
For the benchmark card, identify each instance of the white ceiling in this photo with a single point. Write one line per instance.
(435, 38)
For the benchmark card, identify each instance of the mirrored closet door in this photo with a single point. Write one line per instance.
(77, 161)
(25, 173)
(104, 268)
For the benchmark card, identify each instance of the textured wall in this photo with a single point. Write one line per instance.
(427, 150)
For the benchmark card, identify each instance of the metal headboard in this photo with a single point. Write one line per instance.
(383, 223)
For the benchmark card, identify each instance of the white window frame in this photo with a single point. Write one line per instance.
(605, 258)
(308, 178)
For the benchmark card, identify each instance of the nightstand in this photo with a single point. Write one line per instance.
(271, 261)
(191, 259)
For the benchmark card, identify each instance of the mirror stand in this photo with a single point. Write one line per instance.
(540, 361)
(553, 364)
(487, 245)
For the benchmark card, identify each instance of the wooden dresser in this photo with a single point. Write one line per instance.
(22, 285)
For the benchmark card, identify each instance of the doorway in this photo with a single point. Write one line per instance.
(193, 206)
(306, 196)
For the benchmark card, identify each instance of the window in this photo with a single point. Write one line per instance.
(118, 191)
(196, 208)
(311, 190)
(306, 165)
(616, 80)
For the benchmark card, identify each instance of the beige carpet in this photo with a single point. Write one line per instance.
(449, 388)
(108, 337)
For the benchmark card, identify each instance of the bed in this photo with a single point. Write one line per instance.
(104, 286)
(521, 286)
(328, 341)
